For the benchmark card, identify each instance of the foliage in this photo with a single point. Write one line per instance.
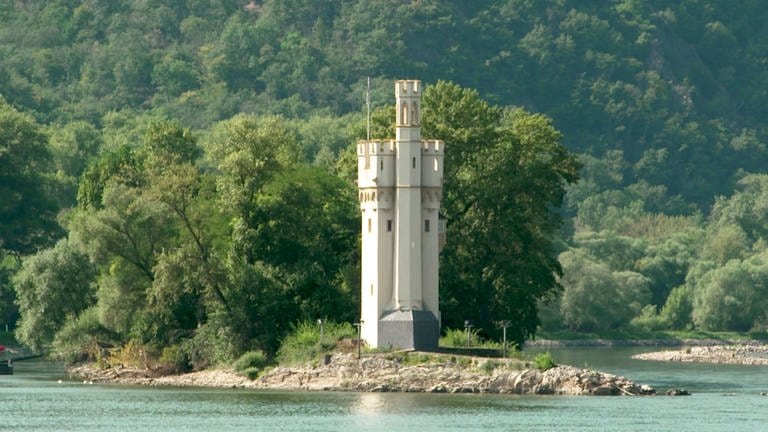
(544, 361)
(81, 338)
(457, 338)
(28, 206)
(303, 343)
(596, 298)
(52, 286)
(505, 172)
(173, 359)
(251, 363)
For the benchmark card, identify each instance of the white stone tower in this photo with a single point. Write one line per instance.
(400, 183)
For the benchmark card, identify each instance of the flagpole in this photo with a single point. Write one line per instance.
(368, 107)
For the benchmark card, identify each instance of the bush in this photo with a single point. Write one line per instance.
(173, 359)
(457, 338)
(251, 360)
(544, 361)
(303, 344)
(79, 338)
(211, 345)
(251, 373)
(648, 320)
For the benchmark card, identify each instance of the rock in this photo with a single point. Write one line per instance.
(605, 390)
(677, 392)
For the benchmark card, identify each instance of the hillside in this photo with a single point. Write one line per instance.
(156, 151)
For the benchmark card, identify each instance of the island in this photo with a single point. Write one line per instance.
(392, 372)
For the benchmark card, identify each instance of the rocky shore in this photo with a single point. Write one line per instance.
(754, 354)
(390, 373)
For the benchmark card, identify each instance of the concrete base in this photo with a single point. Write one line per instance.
(418, 330)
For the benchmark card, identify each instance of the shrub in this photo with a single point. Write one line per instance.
(303, 343)
(79, 337)
(251, 360)
(173, 359)
(648, 320)
(251, 373)
(457, 338)
(131, 354)
(211, 345)
(544, 361)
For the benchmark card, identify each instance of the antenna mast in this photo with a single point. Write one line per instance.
(368, 107)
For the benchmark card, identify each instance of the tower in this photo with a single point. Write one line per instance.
(400, 188)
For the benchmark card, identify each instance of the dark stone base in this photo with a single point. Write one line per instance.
(418, 330)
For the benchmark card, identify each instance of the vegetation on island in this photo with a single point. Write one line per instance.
(179, 175)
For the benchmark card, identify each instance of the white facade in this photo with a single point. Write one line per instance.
(400, 188)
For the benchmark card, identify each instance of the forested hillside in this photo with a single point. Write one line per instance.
(155, 151)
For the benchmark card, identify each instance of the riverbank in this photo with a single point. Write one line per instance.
(751, 353)
(391, 373)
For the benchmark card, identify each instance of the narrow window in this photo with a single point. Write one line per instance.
(382, 165)
(426, 225)
(414, 162)
(435, 164)
(369, 225)
(371, 289)
(389, 225)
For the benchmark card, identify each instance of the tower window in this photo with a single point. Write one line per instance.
(381, 163)
(426, 225)
(414, 162)
(369, 225)
(389, 225)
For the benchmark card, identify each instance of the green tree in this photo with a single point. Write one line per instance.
(505, 172)
(732, 297)
(595, 298)
(51, 286)
(27, 207)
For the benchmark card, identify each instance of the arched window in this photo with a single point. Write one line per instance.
(404, 114)
(415, 113)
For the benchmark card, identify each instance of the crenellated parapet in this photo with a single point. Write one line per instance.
(376, 163)
(432, 159)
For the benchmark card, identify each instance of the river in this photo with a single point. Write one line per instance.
(724, 398)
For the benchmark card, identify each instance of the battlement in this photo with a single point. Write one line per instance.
(433, 146)
(375, 147)
(407, 88)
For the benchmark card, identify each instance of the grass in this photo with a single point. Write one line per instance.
(304, 344)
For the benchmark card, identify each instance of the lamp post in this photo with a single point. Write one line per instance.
(321, 322)
(359, 326)
(467, 326)
(504, 325)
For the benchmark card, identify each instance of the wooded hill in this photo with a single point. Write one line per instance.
(661, 101)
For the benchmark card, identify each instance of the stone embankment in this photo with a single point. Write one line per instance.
(738, 354)
(389, 373)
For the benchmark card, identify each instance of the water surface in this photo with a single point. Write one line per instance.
(724, 398)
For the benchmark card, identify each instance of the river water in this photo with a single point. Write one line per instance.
(724, 398)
